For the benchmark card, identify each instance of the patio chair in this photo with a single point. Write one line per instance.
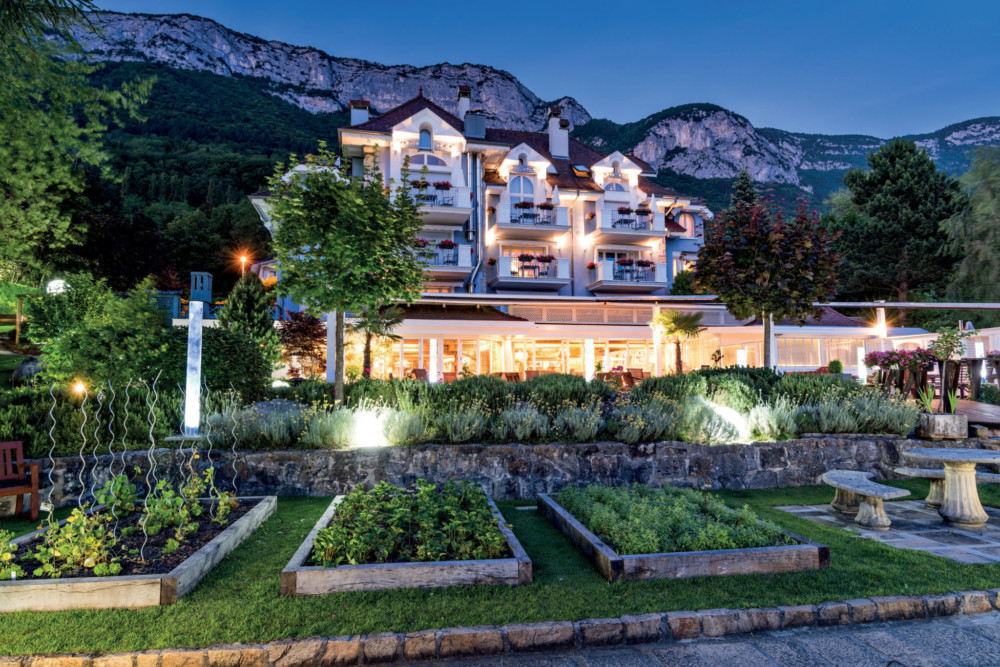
(449, 377)
(18, 478)
(637, 374)
(419, 374)
(512, 376)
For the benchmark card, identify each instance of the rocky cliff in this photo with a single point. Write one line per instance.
(698, 140)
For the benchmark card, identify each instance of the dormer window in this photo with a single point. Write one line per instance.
(614, 187)
(429, 160)
(425, 143)
(521, 189)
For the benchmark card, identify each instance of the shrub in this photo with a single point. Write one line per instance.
(641, 520)
(674, 387)
(632, 422)
(523, 423)
(452, 521)
(830, 416)
(877, 413)
(550, 392)
(760, 380)
(471, 422)
(580, 423)
(493, 393)
(327, 429)
(701, 423)
(403, 428)
(836, 366)
(53, 315)
(989, 393)
(734, 392)
(773, 420)
(804, 389)
(390, 393)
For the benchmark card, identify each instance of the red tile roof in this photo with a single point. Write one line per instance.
(564, 177)
(828, 317)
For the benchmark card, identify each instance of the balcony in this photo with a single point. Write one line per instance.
(447, 263)
(443, 207)
(532, 223)
(510, 273)
(610, 276)
(612, 226)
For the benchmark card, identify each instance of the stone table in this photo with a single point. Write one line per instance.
(960, 504)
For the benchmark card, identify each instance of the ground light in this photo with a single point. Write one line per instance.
(734, 418)
(369, 427)
(57, 286)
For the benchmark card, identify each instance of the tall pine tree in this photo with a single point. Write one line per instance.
(744, 191)
(248, 311)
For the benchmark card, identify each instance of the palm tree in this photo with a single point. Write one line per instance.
(678, 326)
(376, 322)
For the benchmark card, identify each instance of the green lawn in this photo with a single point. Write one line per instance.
(239, 602)
(8, 362)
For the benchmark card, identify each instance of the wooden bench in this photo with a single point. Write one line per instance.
(935, 495)
(858, 494)
(18, 478)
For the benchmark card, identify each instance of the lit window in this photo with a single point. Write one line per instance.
(425, 140)
(429, 160)
(686, 220)
(521, 189)
(614, 187)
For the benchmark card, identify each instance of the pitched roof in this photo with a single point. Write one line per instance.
(426, 311)
(828, 317)
(564, 178)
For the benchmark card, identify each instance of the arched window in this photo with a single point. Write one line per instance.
(614, 187)
(686, 220)
(521, 189)
(429, 160)
(425, 140)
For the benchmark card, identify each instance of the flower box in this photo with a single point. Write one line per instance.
(447, 244)
(805, 555)
(591, 265)
(546, 206)
(492, 261)
(490, 210)
(524, 205)
(624, 210)
(643, 211)
(525, 257)
(298, 578)
(644, 263)
(442, 185)
(419, 184)
(625, 261)
(590, 215)
(136, 590)
(421, 243)
(546, 259)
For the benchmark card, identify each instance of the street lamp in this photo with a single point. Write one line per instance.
(243, 265)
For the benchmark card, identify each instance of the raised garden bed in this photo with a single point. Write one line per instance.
(802, 555)
(163, 582)
(302, 578)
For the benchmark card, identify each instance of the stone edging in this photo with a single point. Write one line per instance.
(526, 637)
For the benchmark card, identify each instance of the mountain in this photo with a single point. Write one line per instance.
(698, 147)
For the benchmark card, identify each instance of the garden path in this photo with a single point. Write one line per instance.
(953, 640)
(916, 526)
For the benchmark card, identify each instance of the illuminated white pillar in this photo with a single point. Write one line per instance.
(741, 357)
(657, 345)
(192, 387)
(420, 354)
(862, 369)
(459, 361)
(881, 326)
(434, 365)
(773, 345)
(606, 364)
(588, 358)
(507, 359)
(402, 364)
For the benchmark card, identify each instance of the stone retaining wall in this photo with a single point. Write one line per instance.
(529, 637)
(513, 471)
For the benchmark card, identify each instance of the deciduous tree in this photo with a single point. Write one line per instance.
(758, 262)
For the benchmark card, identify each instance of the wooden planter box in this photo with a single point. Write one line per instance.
(300, 579)
(806, 555)
(132, 591)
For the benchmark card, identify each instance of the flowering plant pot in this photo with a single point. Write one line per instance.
(490, 210)
(525, 257)
(419, 184)
(591, 265)
(442, 185)
(524, 205)
(546, 259)
(943, 427)
(447, 244)
(420, 243)
(643, 211)
(624, 210)
(625, 261)
(492, 261)
(644, 263)
(546, 206)
(590, 215)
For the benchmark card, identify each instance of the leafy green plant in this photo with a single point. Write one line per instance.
(9, 569)
(926, 398)
(773, 420)
(952, 402)
(803, 389)
(835, 367)
(674, 387)
(167, 508)
(657, 419)
(579, 423)
(404, 428)
(82, 541)
(119, 495)
(523, 423)
(638, 519)
(463, 424)
(989, 393)
(431, 522)
(701, 423)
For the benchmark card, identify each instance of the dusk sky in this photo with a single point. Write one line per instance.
(846, 67)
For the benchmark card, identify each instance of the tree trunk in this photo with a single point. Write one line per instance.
(366, 359)
(338, 384)
(679, 367)
(767, 340)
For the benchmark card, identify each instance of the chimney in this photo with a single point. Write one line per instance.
(359, 111)
(464, 100)
(558, 134)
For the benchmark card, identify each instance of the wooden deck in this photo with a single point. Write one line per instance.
(980, 413)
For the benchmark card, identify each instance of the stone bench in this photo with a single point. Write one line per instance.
(856, 493)
(935, 495)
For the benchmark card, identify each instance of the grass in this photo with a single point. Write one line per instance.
(8, 362)
(239, 602)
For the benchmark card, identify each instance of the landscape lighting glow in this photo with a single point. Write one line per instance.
(369, 428)
(57, 286)
(734, 418)
(79, 387)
